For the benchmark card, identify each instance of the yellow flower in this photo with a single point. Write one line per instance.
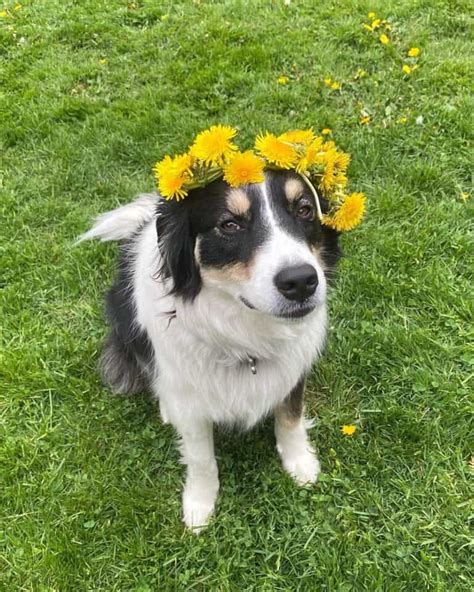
(349, 214)
(348, 430)
(103, 61)
(172, 174)
(402, 119)
(283, 80)
(414, 52)
(276, 151)
(328, 81)
(298, 136)
(465, 196)
(212, 146)
(336, 85)
(311, 156)
(334, 167)
(367, 27)
(244, 167)
(361, 73)
(406, 69)
(371, 15)
(326, 131)
(376, 24)
(384, 40)
(4, 14)
(364, 119)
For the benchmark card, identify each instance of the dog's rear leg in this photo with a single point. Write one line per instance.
(297, 455)
(120, 369)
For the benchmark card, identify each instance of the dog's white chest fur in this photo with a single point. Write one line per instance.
(202, 350)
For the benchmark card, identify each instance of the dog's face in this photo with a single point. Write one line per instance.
(263, 244)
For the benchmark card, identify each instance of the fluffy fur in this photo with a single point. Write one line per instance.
(198, 296)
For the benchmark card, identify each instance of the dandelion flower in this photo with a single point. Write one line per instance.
(335, 85)
(326, 131)
(328, 81)
(283, 80)
(213, 145)
(384, 40)
(376, 24)
(348, 430)
(298, 136)
(276, 151)
(310, 157)
(465, 196)
(172, 174)
(4, 14)
(349, 213)
(367, 27)
(406, 69)
(242, 168)
(413, 52)
(364, 119)
(371, 15)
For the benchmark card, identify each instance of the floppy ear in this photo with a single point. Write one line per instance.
(176, 244)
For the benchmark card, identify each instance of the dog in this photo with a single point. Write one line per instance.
(219, 309)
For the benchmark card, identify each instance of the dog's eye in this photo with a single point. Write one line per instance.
(305, 212)
(230, 226)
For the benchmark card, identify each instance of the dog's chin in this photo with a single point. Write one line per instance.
(295, 312)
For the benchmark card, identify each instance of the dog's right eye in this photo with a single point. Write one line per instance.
(229, 226)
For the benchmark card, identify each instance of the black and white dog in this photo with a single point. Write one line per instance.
(220, 309)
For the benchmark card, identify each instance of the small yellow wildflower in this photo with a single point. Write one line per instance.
(349, 214)
(365, 119)
(384, 40)
(402, 119)
(283, 79)
(371, 15)
(413, 52)
(361, 73)
(298, 136)
(4, 14)
(172, 174)
(335, 85)
(348, 430)
(464, 196)
(311, 156)
(406, 69)
(367, 27)
(213, 145)
(103, 61)
(276, 151)
(242, 168)
(326, 131)
(376, 24)
(328, 81)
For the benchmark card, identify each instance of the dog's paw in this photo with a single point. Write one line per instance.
(304, 467)
(198, 506)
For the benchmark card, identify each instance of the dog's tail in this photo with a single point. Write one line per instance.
(123, 222)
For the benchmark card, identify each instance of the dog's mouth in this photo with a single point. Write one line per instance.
(293, 313)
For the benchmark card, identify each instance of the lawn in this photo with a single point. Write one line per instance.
(92, 93)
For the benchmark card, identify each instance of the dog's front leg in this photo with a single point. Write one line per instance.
(202, 482)
(297, 455)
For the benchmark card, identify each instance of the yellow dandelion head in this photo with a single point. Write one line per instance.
(283, 79)
(349, 214)
(276, 151)
(384, 40)
(335, 85)
(213, 145)
(172, 174)
(348, 430)
(298, 136)
(371, 15)
(406, 69)
(365, 119)
(414, 52)
(376, 23)
(244, 167)
(326, 131)
(310, 156)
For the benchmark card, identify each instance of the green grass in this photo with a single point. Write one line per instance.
(90, 484)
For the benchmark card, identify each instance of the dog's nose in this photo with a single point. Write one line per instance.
(298, 282)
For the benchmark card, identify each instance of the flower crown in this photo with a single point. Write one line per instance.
(213, 155)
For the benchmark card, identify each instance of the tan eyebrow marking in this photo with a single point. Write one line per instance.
(293, 189)
(238, 202)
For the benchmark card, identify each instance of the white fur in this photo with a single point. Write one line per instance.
(203, 376)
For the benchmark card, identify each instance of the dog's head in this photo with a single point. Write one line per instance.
(262, 244)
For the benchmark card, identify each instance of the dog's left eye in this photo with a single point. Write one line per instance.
(305, 212)
(230, 226)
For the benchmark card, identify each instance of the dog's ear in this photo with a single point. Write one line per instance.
(176, 244)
